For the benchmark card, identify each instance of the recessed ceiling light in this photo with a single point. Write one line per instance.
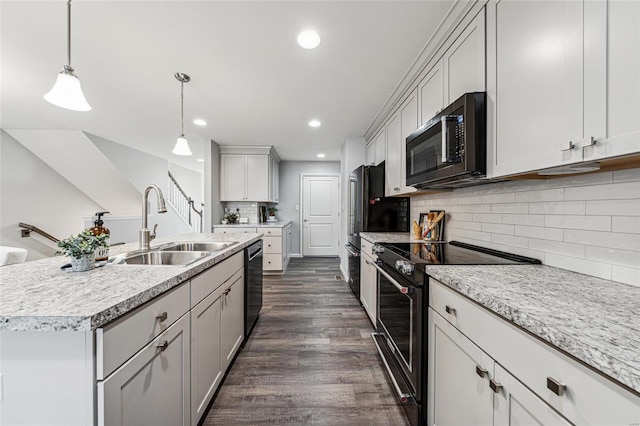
(308, 39)
(199, 122)
(321, 155)
(314, 123)
(200, 160)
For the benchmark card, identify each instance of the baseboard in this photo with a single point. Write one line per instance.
(345, 276)
(297, 255)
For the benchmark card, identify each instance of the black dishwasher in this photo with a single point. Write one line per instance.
(252, 287)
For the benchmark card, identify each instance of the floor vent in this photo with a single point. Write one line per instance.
(339, 278)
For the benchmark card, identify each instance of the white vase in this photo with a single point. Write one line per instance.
(85, 263)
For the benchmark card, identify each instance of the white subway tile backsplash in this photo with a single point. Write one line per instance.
(625, 275)
(521, 208)
(538, 196)
(586, 223)
(497, 228)
(539, 232)
(627, 258)
(558, 247)
(559, 207)
(614, 207)
(524, 219)
(593, 223)
(614, 191)
(629, 175)
(581, 180)
(626, 224)
(487, 217)
(603, 239)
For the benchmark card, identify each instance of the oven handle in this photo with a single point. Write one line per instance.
(403, 290)
(351, 251)
(403, 396)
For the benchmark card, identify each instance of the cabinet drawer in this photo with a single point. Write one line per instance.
(532, 361)
(121, 339)
(267, 231)
(272, 262)
(203, 284)
(234, 230)
(272, 245)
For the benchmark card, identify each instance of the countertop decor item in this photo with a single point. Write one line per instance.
(231, 217)
(81, 249)
(272, 214)
(432, 228)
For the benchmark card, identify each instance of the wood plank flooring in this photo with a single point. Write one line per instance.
(310, 358)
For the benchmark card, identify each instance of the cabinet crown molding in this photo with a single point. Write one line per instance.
(251, 149)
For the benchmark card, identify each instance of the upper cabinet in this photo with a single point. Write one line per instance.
(376, 148)
(398, 127)
(249, 174)
(563, 78)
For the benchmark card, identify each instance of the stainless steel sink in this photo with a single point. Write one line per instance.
(197, 246)
(162, 258)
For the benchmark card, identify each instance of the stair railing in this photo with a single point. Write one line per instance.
(28, 229)
(184, 205)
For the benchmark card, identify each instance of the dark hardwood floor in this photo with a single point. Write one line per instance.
(310, 358)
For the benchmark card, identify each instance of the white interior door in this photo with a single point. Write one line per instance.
(320, 215)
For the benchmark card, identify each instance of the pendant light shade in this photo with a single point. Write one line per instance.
(67, 92)
(182, 146)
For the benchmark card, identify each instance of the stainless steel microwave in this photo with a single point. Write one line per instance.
(450, 150)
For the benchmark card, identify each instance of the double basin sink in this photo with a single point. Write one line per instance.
(172, 254)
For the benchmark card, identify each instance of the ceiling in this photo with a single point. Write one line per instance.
(249, 79)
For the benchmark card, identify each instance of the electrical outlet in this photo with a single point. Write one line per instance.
(297, 207)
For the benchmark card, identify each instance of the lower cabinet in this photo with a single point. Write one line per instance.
(232, 319)
(465, 376)
(276, 246)
(153, 387)
(504, 376)
(368, 281)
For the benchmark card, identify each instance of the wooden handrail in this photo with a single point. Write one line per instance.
(27, 229)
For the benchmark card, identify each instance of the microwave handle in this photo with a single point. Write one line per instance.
(450, 152)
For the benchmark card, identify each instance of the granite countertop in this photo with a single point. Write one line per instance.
(276, 224)
(38, 296)
(390, 237)
(594, 320)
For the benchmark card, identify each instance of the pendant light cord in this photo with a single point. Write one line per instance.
(182, 108)
(69, 35)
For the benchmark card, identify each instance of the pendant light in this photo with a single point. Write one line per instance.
(67, 93)
(182, 146)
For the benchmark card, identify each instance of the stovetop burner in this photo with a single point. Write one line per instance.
(398, 255)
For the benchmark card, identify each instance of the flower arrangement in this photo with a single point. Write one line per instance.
(83, 244)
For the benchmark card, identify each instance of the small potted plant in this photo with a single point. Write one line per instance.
(81, 249)
(272, 213)
(231, 217)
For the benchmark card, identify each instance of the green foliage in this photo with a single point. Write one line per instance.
(231, 217)
(272, 211)
(82, 244)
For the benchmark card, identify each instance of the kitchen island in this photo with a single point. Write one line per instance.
(119, 342)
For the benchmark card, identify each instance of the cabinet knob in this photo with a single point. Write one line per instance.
(162, 317)
(227, 291)
(450, 310)
(481, 371)
(162, 346)
(495, 386)
(555, 386)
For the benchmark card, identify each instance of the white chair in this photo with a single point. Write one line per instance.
(11, 255)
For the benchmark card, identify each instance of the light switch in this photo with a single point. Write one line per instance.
(297, 207)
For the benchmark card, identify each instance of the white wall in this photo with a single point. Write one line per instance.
(353, 156)
(34, 193)
(290, 172)
(585, 223)
(190, 181)
(213, 208)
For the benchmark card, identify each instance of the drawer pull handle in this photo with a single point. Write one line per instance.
(495, 387)
(227, 291)
(481, 371)
(162, 317)
(555, 386)
(450, 310)
(164, 345)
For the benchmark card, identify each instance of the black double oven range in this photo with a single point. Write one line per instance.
(402, 310)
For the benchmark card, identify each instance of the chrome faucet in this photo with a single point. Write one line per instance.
(145, 235)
